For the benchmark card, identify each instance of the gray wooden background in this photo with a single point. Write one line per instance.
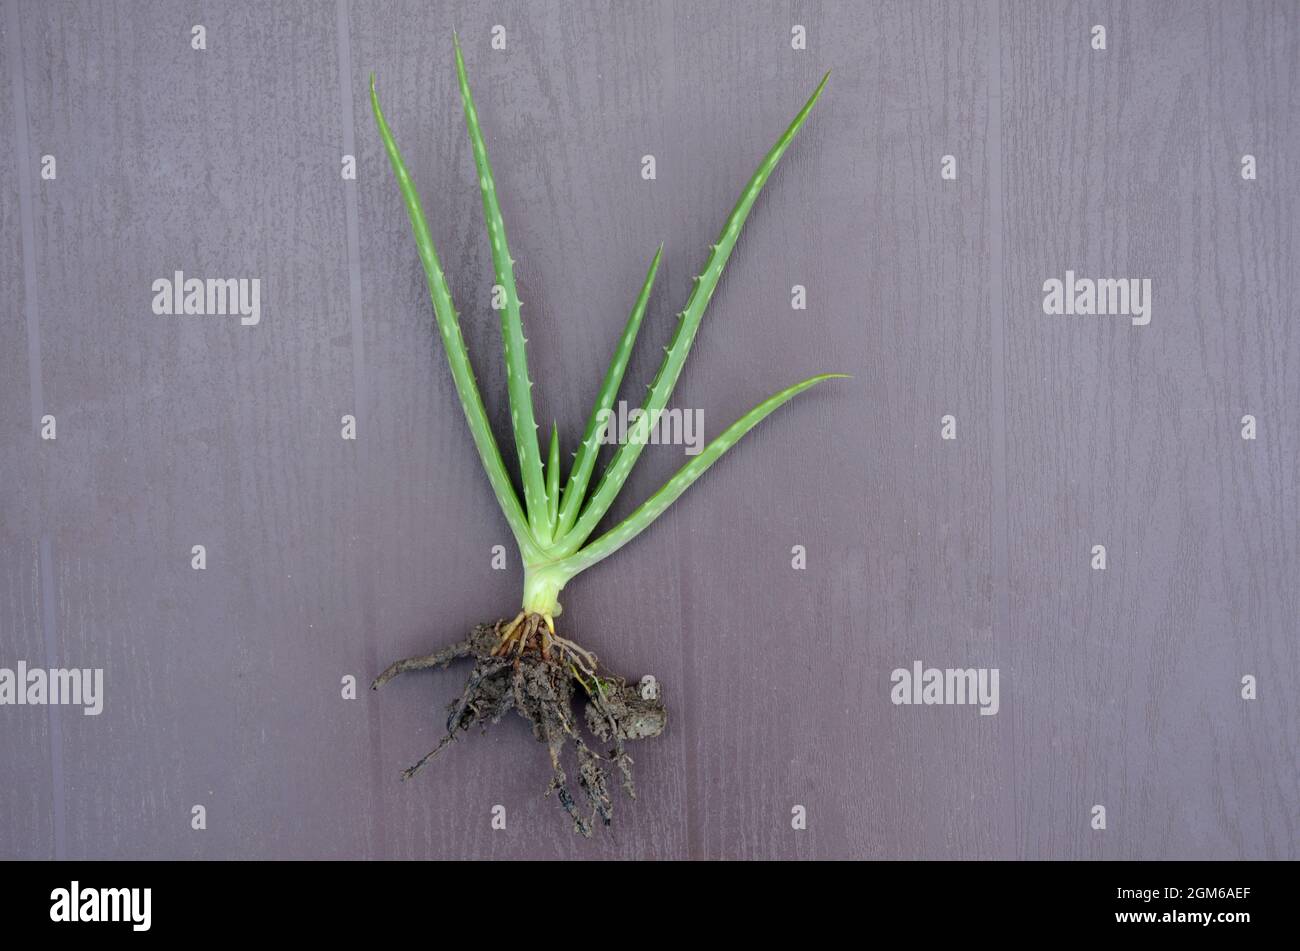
(328, 558)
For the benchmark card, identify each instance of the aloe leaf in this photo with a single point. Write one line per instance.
(553, 479)
(653, 507)
(585, 460)
(512, 332)
(611, 481)
(454, 343)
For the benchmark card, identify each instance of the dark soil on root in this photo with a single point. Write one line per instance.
(517, 666)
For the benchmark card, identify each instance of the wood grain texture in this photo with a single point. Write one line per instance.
(328, 558)
(1132, 439)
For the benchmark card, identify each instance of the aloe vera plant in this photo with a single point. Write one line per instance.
(523, 663)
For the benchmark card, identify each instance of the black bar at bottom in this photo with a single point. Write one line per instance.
(1219, 900)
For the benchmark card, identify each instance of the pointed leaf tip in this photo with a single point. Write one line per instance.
(821, 85)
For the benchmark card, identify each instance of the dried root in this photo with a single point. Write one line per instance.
(522, 665)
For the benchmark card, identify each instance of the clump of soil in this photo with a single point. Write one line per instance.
(522, 665)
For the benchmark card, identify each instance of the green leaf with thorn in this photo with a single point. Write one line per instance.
(653, 507)
(553, 479)
(585, 461)
(518, 383)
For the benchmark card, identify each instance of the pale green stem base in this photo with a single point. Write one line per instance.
(542, 591)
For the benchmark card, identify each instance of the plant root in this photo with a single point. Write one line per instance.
(522, 665)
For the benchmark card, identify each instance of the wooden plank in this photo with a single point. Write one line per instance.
(1126, 163)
